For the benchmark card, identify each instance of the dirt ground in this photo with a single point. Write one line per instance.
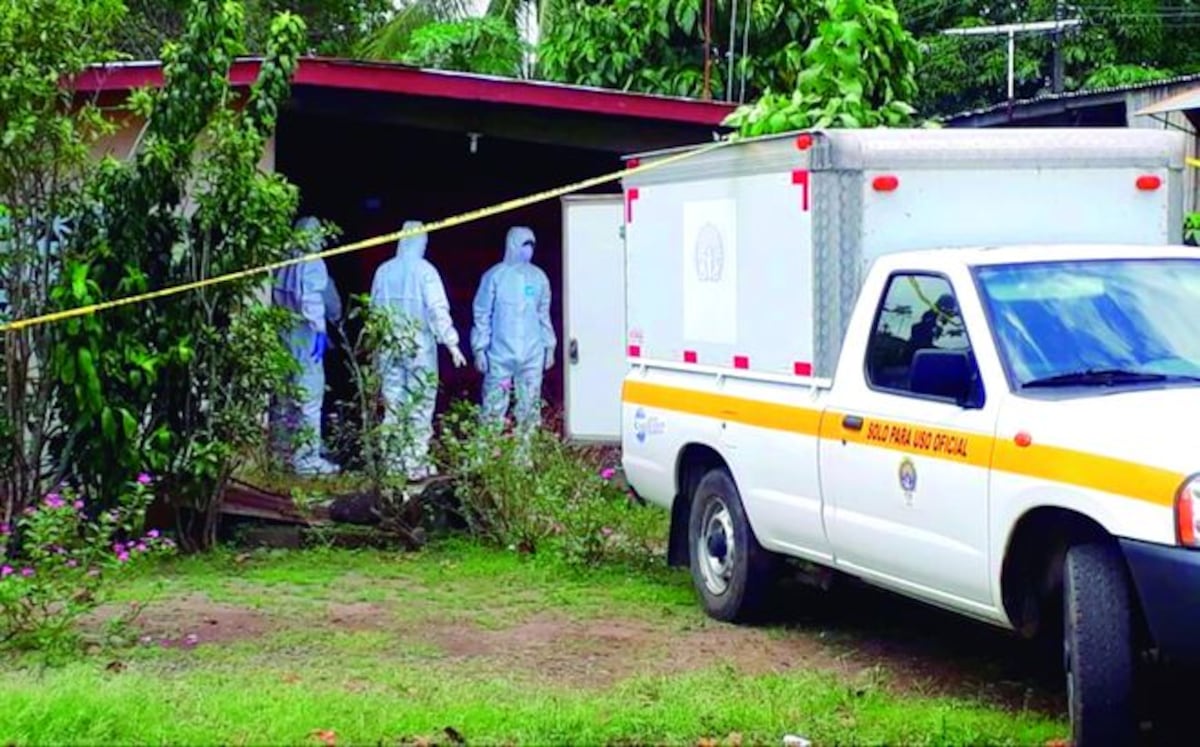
(852, 632)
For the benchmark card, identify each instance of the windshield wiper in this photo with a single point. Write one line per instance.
(1100, 377)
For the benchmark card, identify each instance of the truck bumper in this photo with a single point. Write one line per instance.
(1167, 580)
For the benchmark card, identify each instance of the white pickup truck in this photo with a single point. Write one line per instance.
(960, 365)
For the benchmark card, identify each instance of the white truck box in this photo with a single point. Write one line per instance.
(751, 256)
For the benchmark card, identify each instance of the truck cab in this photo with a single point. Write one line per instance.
(998, 428)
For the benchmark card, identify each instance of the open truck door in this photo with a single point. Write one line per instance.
(594, 319)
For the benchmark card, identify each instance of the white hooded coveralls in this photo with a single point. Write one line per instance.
(513, 340)
(307, 290)
(410, 288)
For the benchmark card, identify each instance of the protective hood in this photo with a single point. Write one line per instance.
(519, 245)
(412, 247)
(311, 240)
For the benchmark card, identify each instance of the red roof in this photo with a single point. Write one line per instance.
(401, 79)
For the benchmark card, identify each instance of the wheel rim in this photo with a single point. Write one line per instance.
(716, 547)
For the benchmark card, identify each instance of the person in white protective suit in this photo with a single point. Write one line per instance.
(307, 290)
(513, 341)
(409, 287)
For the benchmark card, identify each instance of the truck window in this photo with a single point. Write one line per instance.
(918, 312)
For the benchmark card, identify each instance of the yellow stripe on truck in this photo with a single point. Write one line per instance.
(803, 420)
(1051, 463)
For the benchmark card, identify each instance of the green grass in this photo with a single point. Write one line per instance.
(399, 677)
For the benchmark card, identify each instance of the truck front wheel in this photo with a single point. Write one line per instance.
(1098, 650)
(731, 572)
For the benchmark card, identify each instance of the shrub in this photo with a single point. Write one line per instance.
(544, 496)
(59, 558)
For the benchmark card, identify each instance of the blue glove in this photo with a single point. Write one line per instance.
(320, 345)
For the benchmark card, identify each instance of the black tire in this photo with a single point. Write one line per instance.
(751, 569)
(1098, 646)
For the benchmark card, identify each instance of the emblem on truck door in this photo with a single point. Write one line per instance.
(908, 479)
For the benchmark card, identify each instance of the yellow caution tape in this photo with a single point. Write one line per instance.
(456, 220)
(1194, 162)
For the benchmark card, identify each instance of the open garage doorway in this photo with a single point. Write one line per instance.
(368, 178)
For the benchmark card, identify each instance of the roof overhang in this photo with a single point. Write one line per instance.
(354, 75)
(1186, 102)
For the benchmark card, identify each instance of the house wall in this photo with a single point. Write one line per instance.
(120, 144)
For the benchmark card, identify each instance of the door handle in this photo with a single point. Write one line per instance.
(574, 350)
(852, 423)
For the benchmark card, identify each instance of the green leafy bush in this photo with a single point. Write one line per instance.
(485, 45)
(179, 384)
(859, 71)
(542, 495)
(1191, 229)
(60, 556)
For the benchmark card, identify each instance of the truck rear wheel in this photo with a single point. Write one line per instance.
(1098, 650)
(731, 572)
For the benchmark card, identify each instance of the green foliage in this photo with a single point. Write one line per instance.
(536, 494)
(179, 385)
(60, 559)
(333, 27)
(484, 45)
(44, 162)
(858, 72)
(1191, 229)
(391, 40)
(380, 443)
(1111, 76)
(657, 46)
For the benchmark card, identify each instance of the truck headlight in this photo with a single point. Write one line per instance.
(1187, 513)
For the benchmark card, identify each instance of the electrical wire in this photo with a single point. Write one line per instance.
(745, 50)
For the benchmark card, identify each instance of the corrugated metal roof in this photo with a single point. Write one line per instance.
(403, 79)
(1071, 95)
(1188, 100)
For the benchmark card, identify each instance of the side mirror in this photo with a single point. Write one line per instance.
(949, 374)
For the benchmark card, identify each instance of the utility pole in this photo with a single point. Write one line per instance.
(1057, 86)
(1011, 30)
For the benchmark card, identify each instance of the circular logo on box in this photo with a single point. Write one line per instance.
(710, 254)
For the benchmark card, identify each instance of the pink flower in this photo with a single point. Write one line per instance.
(606, 531)
(54, 500)
(144, 479)
(118, 548)
(71, 562)
(78, 505)
(191, 639)
(6, 571)
(140, 547)
(152, 534)
(122, 557)
(5, 530)
(26, 572)
(607, 473)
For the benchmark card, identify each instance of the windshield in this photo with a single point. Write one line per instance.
(1096, 322)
